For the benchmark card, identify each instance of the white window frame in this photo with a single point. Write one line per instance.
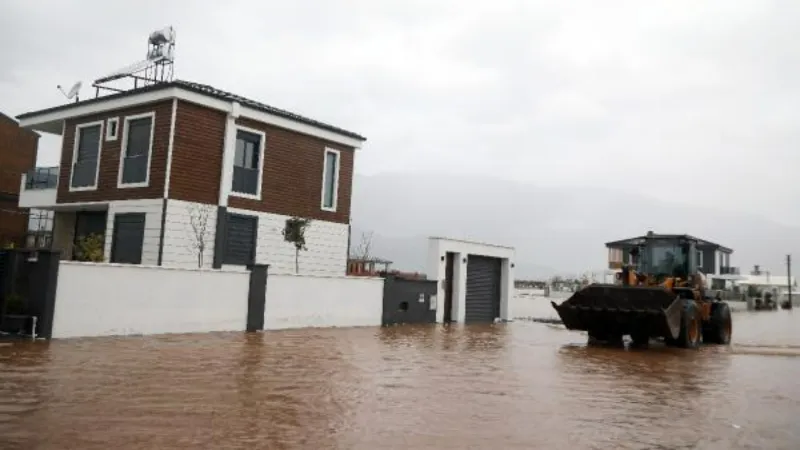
(261, 154)
(335, 181)
(699, 258)
(109, 128)
(124, 150)
(75, 142)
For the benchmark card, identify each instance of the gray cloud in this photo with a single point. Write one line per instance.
(687, 99)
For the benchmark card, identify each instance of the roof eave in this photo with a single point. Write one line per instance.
(50, 120)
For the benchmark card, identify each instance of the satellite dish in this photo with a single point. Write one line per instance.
(73, 91)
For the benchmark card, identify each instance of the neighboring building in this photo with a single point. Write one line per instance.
(712, 259)
(158, 170)
(18, 148)
(764, 281)
(367, 266)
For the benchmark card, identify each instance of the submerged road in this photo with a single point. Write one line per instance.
(517, 385)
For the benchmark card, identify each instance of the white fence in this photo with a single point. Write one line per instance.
(114, 299)
(111, 299)
(297, 301)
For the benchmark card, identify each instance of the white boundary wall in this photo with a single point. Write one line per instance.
(438, 247)
(114, 299)
(299, 301)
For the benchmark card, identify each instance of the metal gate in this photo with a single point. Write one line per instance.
(240, 243)
(482, 303)
(128, 238)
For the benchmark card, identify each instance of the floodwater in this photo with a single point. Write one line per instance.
(517, 385)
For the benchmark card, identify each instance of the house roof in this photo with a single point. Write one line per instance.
(635, 240)
(206, 90)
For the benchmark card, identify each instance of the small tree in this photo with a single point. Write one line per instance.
(295, 233)
(198, 223)
(363, 250)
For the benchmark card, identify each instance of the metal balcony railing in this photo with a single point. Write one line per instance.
(41, 178)
(729, 270)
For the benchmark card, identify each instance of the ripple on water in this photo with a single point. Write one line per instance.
(520, 385)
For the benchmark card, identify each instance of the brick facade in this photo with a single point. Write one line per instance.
(110, 154)
(197, 154)
(292, 175)
(292, 180)
(18, 148)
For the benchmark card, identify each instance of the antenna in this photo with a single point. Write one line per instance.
(156, 68)
(74, 91)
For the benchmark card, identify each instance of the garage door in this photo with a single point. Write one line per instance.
(483, 289)
(240, 245)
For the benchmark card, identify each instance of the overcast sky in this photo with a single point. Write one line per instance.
(686, 99)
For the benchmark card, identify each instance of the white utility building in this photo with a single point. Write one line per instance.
(475, 280)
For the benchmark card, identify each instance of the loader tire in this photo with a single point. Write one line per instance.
(604, 339)
(640, 340)
(691, 330)
(719, 328)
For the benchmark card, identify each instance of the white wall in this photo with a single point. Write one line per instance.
(180, 240)
(326, 242)
(296, 301)
(152, 226)
(111, 299)
(36, 198)
(439, 247)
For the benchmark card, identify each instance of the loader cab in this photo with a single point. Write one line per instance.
(667, 257)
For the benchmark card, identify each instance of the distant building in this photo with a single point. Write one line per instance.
(713, 260)
(367, 266)
(377, 267)
(18, 148)
(764, 281)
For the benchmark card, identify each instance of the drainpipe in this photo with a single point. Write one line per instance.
(225, 180)
(228, 154)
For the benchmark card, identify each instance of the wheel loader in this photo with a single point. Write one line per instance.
(659, 295)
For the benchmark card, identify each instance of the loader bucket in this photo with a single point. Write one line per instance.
(613, 310)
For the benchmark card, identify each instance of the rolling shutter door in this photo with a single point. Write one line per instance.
(483, 289)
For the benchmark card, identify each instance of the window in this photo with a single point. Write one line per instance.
(330, 180)
(699, 254)
(86, 156)
(248, 163)
(136, 148)
(128, 238)
(40, 220)
(112, 129)
(241, 239)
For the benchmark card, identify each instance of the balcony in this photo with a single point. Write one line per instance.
(729, 270)
(38, 188)
(614, 265)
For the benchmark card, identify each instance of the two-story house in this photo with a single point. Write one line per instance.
(182, 174)
(18, 148)
(714, 260)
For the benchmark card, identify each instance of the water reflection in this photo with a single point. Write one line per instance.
(23, 390)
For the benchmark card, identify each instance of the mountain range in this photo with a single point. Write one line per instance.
(556, 231)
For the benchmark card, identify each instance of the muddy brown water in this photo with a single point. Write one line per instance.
(516, 385)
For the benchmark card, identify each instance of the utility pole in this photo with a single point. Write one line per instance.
(789, 277)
